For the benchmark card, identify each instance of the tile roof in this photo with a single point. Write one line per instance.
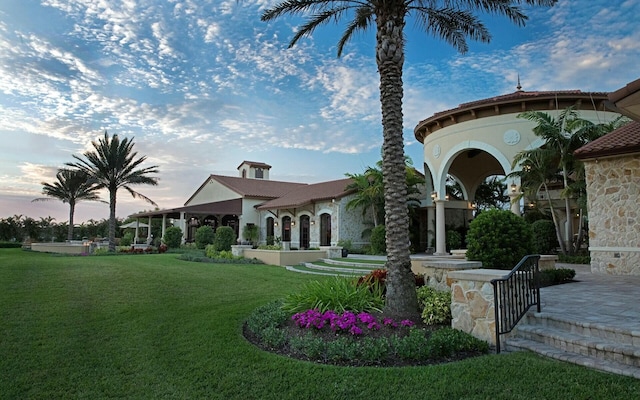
(310, 194)
(257, 188)
(255, 164)
(522, 95)
(624, 140)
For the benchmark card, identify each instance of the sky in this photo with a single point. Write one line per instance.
(201, 85)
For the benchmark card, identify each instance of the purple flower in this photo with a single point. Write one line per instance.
(407, 322)
(355, 330)
(389, 321)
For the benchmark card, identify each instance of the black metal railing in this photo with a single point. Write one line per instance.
(515, 294)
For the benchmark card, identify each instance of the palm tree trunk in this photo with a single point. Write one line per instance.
(567, 207)
(563, 249)
(401, 296)
(72, 209)
(112, 220)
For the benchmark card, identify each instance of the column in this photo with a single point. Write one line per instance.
(183, 227)
(164, 225)
(149, 232)
(441, 235)
(515, 203)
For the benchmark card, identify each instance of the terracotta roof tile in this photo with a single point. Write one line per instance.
(257, 188)
(310, 194)
(624, 140)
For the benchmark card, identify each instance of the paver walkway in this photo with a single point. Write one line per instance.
(596, 298)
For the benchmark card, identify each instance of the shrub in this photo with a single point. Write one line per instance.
(337, 294)
(575, 259)
(544, 236)
(454, 240)
(378, 240)
(10, 245)
(251, 233)
(446, 342)
(204, 236)
(499, 239)
(378, 279)
(173, 237)
(550, 277)
(126, 239)
(435, 305)
(224, 239)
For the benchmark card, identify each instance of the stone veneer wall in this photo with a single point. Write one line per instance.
(472, 299)
(613, 196)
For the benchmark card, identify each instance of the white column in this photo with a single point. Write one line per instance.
(515, 203)
(441, 235)
(149, 231)
(183, 227)
(135, 238)
(164, 225)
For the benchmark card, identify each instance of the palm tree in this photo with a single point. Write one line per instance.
(562, 137)
(71, 186)
(534, 175)
(113, 166)
(451, 20)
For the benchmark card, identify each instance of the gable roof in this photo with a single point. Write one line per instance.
(252, 188)
(255, 164)
(624, 140)
(310, 194)
(626, 100)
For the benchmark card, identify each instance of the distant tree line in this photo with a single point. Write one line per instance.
(19, 228)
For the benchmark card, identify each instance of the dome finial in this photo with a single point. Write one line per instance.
(519, 87)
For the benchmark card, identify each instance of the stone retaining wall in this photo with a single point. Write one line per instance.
(472, 302)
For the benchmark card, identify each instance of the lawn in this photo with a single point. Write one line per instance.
(154, 327)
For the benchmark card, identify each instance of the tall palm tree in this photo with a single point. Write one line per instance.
(451, 20)
(113, 166)
(71, 186)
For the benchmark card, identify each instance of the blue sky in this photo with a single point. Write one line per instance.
(203, 85)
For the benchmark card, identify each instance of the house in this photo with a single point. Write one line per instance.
(612, 169)
(299, 214)
(480, 139)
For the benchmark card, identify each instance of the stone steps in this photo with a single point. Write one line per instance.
(335, 268)
(606, 348)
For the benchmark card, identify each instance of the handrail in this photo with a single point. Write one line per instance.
(514, 294)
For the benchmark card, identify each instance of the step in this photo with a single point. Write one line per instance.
(515, 344)
(595, 345)
(305, 270)
(353, 263)
(583, 345)
(352, 271)
(590, 329)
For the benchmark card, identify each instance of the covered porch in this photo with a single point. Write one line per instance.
(190, 218)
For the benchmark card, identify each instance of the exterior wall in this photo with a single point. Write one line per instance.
(345, 224)
(613, 195)
(213, 191)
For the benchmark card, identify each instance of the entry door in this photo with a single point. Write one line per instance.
(304, 231)
(325, 230)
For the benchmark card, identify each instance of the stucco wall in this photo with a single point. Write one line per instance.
(213, 191)
(613, 196)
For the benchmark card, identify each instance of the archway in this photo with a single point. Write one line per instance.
(304, 231)
(325, 229)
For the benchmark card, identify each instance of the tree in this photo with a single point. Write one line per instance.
(113, 165)
(453, 21)
(71, 186)
(555, 160)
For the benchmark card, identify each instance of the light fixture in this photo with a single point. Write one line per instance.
(446, 197)
(293, 223)
(313, 222)
(513, 188)
(434, 195)
(275, 223)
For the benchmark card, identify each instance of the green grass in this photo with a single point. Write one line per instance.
(154, 327)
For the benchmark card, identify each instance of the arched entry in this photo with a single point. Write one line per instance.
(304, 231)
(325, 229)
(270, 230)
(232, 221)
(286, 229)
